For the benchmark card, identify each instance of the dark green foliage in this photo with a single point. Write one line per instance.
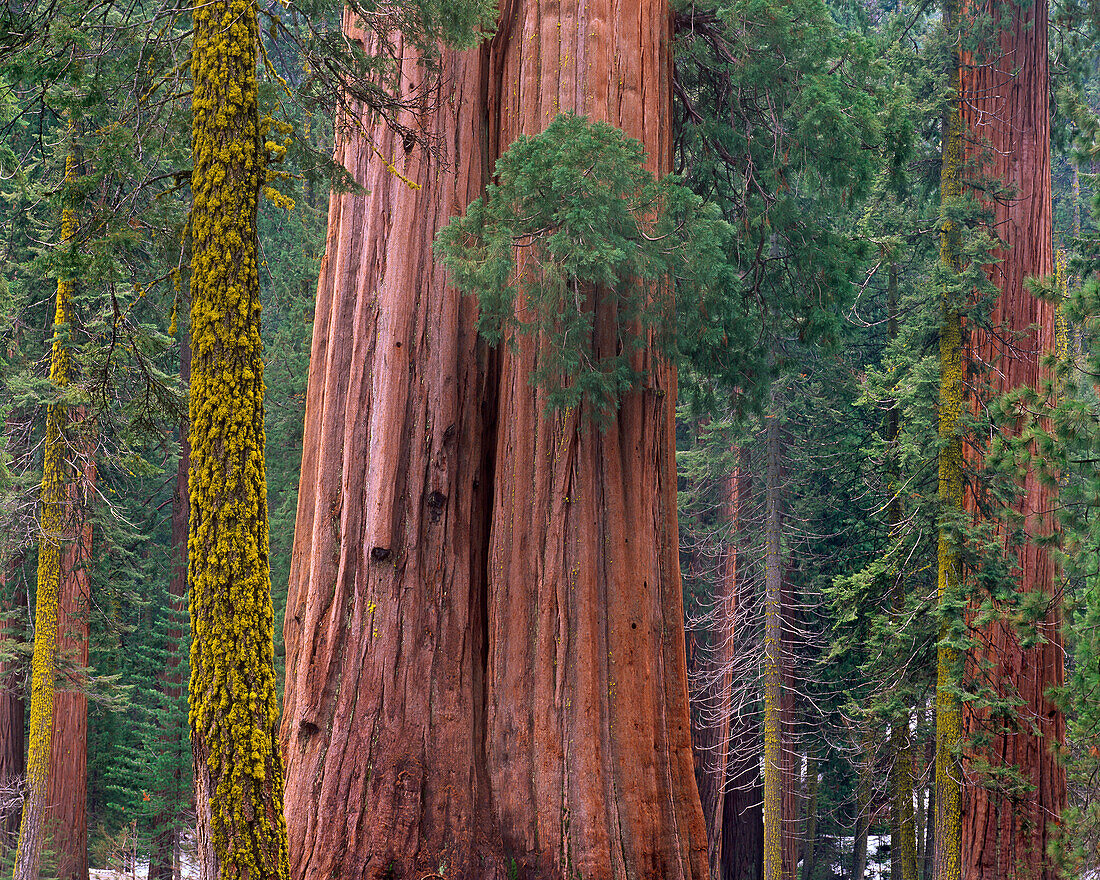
(586, 216)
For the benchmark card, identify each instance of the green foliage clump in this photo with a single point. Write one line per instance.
(576, 237)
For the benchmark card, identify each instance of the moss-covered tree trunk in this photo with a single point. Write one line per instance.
(234, 716)
(1005, 105)
(947, 863)
(589, 745)
(384, 714)
(53, 516)
(67, 790)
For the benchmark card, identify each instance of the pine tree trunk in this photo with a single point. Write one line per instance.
(67, 790)
(233, 709)
(1005, 105)
(773, 639)
(743, 819)
(809, 844)
(863, 813)
(12, 702)
(384, 715)
(164, 850)
(589, 744)
(712, 740)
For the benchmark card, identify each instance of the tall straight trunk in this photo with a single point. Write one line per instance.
(233, 708)
(773, 639)
(53, 516)
(164, 850)
(384, 714)
(67, 790)
(743, 818)
(712, 740)
(13, 631)
(864, 782)
(903, 840)
(588, 740)
(809, 834)
(790, 754)
(948, 788)
(1005, 106)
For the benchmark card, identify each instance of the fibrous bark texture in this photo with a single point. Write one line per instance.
(485, 654)
(588, 744)
(233, 710)
(67, 790)
(773, 644)
(384, 719)
(54, 515)
(1005, 105)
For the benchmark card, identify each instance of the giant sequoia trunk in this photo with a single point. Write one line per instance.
(383, 724)
(1005, 107)
(458, 705)
(588, 743)
(13, 630)
(67, 790)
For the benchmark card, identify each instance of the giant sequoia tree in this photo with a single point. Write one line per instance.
(1004, 100)
(484, 644)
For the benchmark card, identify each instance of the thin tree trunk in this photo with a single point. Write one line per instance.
(1005, 104)
(12, 702)
(863, 812)
(809, 843)
(903, 843)
(712, 739)
(589, 744)
(773, 638)
(164, 850)
(791, 755)
(384, 714)
(67, 791)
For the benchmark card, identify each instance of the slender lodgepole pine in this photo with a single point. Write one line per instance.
(233, 716)
(773, 638)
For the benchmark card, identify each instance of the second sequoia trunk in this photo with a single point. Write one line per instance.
(589, 743)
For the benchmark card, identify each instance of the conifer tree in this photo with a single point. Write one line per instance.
(234, 715)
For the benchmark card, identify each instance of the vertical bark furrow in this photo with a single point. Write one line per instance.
(382, 724)
(1005, 104)
(629, 805)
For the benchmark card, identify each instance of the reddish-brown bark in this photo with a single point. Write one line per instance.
(588, 744)
(1005, 103)
(12, 703)
(383, 719)
(67, 789)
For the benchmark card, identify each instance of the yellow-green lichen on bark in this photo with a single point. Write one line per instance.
(232, 695)
(52, 524)
(948, 833)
